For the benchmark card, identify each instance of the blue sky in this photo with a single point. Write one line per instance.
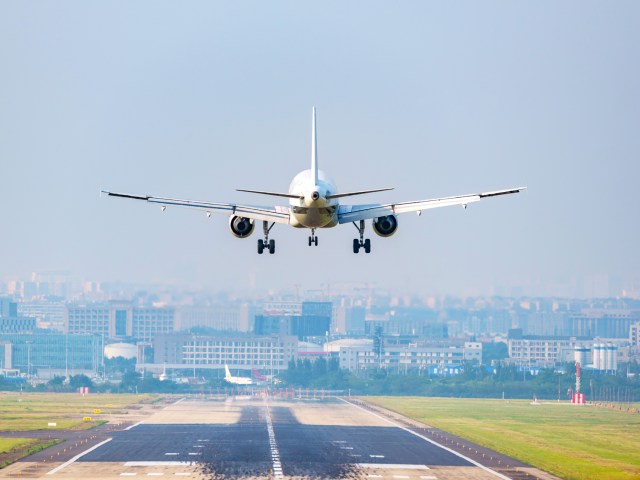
(196, 99)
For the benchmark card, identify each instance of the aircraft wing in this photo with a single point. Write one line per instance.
(354, 213)
(276, 214)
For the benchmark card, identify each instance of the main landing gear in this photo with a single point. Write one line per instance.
(361, 243)
(266, 243)
(313, 240)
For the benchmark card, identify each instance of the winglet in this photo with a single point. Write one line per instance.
(314, 149)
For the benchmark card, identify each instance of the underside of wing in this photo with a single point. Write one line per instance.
(353, 213)
(276, 214)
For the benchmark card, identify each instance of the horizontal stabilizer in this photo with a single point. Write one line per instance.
(273, 194)
(362, 192)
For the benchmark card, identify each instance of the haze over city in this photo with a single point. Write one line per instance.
(432, 99)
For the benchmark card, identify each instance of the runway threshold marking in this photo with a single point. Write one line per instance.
(69, 462)
(433, 442)
(392, 466)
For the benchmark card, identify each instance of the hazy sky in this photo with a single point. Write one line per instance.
(196, 99)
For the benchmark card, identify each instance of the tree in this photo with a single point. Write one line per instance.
(77, 381)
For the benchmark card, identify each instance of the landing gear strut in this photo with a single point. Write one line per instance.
(266, 243)
(313, 240)
(361, 242)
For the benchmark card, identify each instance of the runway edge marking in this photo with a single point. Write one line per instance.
(134, 425)
(470, 460)
(69, 462)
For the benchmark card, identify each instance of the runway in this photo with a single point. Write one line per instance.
(265, 438)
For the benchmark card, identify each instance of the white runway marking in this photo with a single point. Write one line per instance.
(376, 456)
(157, 464)
(172, 453)
(477, 464)
(195, 453)
(134, 425)
(128, 474)
(69, 462)
(275, 454)
(428, 477)
(392, 466)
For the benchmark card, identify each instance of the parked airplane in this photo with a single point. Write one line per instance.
(314, 203)
(236, 380)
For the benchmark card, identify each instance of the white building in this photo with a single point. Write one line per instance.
(408, 357)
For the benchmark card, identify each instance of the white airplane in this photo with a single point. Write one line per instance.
(236, 380)
(314, 203)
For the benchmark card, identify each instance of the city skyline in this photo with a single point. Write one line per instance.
(433, 100)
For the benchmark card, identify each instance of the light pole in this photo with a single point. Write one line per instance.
(28, 342)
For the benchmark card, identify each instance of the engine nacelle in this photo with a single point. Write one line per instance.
(385, 226)
(241, 227)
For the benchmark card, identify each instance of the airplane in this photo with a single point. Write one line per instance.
(313, 204)
(236, 380)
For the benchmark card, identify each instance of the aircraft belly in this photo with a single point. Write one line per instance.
(314, 217)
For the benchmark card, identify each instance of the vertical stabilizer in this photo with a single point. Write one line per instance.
(227, 372)
(314, 149)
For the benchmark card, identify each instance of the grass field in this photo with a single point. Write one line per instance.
(573, 442)
(9, 444)
(34, 411)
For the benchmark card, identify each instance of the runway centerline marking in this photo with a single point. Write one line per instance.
(275, 454)
(69, 462)
(151, 463)
(433, 442)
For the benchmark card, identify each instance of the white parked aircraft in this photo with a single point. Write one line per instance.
(314, 203)
(236, 380)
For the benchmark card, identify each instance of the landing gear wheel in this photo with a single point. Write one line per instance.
(356, 245)
(266, 243)
(367, 246)
(310, 242)
(315, 240)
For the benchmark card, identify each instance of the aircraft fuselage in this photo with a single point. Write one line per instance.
(313, 209)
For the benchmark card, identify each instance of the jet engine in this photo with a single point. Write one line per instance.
(385, 226)
(241, 227)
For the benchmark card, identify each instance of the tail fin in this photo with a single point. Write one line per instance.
(314, 149)
(227, 372)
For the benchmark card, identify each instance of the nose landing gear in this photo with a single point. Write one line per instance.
(313, 240)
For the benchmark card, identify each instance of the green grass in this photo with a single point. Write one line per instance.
(21, 447)
(34, 411)
(573, 442)
(10, 444)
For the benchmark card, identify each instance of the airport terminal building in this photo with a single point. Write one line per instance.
(239, 352)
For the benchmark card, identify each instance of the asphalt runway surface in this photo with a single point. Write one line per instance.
(265, 438)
